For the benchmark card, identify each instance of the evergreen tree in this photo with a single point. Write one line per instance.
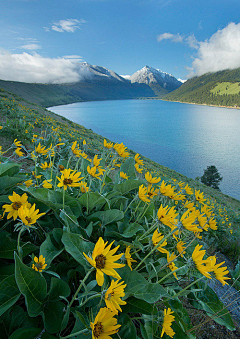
(211, 177)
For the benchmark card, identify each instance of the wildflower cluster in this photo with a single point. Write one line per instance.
(93, 237)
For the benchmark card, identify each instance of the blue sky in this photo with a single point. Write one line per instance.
(183, 38)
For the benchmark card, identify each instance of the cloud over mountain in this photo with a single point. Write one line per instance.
(221, 51)
(35, 68)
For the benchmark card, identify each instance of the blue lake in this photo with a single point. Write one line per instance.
(186, 138)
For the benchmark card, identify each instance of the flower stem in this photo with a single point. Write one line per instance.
(79, 288)
(75, 334)
(181, 292)
(18, 243)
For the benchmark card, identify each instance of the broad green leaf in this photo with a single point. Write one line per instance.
(208, 300)
(138, 306)
(107, 217)
(53, 316)
(128, 168)
(7, 182)
(6, 271)
(46, 335)
(128, 230)
(9, 293)
(58, 288)
(128, 186)
(9, 168)
(91, 200)
(32, 285)
(8, 246)
(23, 333)
(49, 251)
(75, 245)
(127, 329)
(139, 287)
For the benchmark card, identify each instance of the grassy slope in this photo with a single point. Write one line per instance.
(12, 107)
(199, 89)
(226, 88)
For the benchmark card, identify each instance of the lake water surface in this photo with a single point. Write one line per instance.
(186, 138)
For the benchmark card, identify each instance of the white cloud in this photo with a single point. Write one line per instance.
(68, 25)
(169, 36)
(75, 57)
(221, 51)
(192, 41)
(31, 47)
(35, 68)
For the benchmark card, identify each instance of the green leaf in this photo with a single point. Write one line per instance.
(9, 293)
(107, 217)
(128, 186)
(6, 271)
(46, 335)
(75, 245)
(128, 168)
(208, 300)
(10, 169)
(138, 306)
(32, 285)
(92, 200)
(127, 329)
(140, 288)
(23, 333)
(58, 288)
(8, 246)
(7, 182)
(128, 230)
(53, 316)
(49, 251)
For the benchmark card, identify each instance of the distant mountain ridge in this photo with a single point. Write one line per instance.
(220, 88)
(95, 83)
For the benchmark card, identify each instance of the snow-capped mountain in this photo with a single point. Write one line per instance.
(151, 76)
(93, 72)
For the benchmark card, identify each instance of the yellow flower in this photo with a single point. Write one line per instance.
(180, 247)
(29, 215)
(199, 196)
(167, 323)
(107, 144)
(188, 190)
(42, 149)
(103, 259)
(199, 262)
(138, 169)
(47, 184)
(142, 193)
(17, 202)
(39, 264)
(1, 127)
(212, 224)
(138, 160)
(96, 161)
(113, 295)
(124, 175)
(84, 142)
(150, 179)
(84, 188)
(17, 143)
(121, 150)
(19, 152)
(156, 238)
(28, 183)
(69, 179)
(129, 258)
(151, 192)
(188, 221)
(61, 168)
(45, 165)
(104, 324)
(171, 264)
(92, 172)
(218, 271)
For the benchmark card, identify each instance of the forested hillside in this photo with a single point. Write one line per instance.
(220, 88)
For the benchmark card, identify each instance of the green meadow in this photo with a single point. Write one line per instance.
(226, 88)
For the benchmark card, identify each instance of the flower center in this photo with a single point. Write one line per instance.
(67, 181)
(16, 205)
(100, 261)
(98, 329)
(38, 265)
(28, 219)
(61, 167)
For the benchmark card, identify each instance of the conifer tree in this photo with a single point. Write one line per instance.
(211, 177)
